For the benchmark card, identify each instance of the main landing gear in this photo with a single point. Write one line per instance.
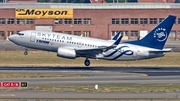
(87, 62)
(26, 52)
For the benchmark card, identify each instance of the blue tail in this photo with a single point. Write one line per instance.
(158, 36)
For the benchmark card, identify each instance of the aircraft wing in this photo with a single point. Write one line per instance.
(159, 51)
(100, 49)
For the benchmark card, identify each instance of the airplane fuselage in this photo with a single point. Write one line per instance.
(51, 41)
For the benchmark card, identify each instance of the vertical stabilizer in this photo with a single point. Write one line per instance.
(158, 36)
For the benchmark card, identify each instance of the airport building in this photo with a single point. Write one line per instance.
(98, 20)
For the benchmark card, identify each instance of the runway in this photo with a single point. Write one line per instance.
(77, 95)
(98, 75)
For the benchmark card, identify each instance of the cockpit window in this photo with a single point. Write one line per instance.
(21, 34)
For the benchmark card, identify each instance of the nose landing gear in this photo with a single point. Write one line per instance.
(87, 62)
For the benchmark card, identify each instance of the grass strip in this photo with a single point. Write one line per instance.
(37, 75)
(42, 58)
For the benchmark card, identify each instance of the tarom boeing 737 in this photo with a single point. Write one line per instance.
(72, 46)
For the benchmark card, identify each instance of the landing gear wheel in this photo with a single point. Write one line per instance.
(25, 53)
(87, 62)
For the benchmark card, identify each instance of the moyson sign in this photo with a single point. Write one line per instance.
(44, 13)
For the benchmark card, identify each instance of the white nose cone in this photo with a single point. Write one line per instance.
(12, 38)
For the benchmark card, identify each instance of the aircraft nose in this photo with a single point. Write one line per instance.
(12, 38)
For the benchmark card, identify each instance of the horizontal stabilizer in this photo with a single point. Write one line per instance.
(159, 51)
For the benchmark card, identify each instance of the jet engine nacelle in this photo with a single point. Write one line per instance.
(66, 53)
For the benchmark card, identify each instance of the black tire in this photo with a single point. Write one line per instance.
(86, 62)
(25, 53)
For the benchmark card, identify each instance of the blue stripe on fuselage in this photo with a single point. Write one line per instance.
(118, 49)
(123, 53)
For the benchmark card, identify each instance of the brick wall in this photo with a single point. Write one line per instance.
(101, 21)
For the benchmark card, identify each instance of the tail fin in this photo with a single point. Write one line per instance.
(158, 36)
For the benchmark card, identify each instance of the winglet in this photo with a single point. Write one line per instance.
(116, 36)
(115, 44)
(118, 40)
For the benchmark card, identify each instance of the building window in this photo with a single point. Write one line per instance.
(20, 21)
(179, 33)
(134, 33)
(67, 21)
(124, 33)
(67, 32)
(58, 21)
(77, 33)
(58, 31)
(113, 33)
(10, 21)
(77, 21)
(143, 21)
(178, 20)
(161, 19)
(87, 21)
(115, 20)
(134, 20)
(30, 21)
(124, 21)
(172, 34)
(2, 20)
(153, 20)
(86, 33)
(2, 33)
(10, 33)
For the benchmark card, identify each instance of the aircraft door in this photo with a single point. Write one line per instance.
(79, 44)
(33, 36)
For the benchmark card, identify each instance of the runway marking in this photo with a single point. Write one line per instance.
(7, 94)
(144, 74)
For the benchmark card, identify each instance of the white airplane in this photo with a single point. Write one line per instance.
(71, 46)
